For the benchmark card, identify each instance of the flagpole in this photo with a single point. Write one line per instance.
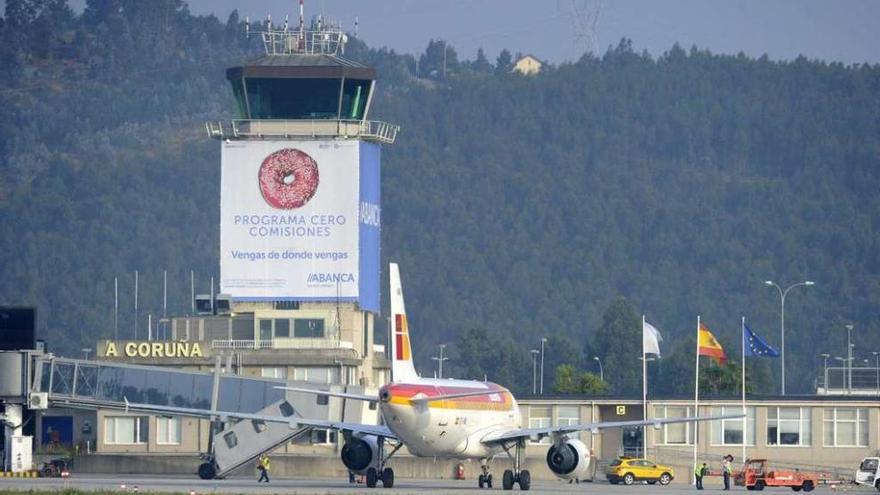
(696, 395)
(644, 391)
(745, 418)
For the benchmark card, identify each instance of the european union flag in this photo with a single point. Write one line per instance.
(756, 346)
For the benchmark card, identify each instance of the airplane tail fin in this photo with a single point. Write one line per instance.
(402, 368)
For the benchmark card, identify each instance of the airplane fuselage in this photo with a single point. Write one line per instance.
(450, 428)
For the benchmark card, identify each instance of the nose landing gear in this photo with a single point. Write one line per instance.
(485, 478)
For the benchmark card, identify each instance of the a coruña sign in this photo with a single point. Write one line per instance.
(166, 349)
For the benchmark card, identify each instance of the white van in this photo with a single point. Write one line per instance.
(866, 475)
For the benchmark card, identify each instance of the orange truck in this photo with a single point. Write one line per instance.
(756, 475)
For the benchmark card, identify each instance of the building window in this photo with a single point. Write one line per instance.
(323, 437)
(275, 372)
(674, 433)
(167, 430)
(282, 328)
(788, 426)
(265, 329)
(126, 430)
(316, 374)
(845, 427)
(287, 305)
(730, 431)
(568, 416)
(540, 417)
(308, 328)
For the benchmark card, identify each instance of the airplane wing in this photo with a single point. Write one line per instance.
(294, 422)
(417, 401)
(342, 395)
(536, 434)
(420, 401)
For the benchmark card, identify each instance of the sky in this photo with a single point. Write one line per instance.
(834, 30)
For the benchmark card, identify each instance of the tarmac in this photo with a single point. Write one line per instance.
(190, 484)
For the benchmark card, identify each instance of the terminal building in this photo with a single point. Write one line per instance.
(299, 301)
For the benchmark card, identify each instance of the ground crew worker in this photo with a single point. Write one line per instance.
(699, 472)
(726, 468)
(263, 466)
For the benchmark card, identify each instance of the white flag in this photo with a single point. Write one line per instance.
(651, 339)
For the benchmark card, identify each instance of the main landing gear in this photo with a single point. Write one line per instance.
(517, 475)
(383, 474)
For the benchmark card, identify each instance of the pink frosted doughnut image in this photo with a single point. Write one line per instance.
(288, 178)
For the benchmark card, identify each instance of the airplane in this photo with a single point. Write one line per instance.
(441, 418)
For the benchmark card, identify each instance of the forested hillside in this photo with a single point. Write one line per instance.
(562, 205)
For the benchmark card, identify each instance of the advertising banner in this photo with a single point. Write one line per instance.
(289, 220)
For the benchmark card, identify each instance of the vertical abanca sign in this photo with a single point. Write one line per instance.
(300, 221)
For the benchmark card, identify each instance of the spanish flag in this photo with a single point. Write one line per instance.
(707, 345)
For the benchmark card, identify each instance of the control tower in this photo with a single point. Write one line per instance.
(300, 207)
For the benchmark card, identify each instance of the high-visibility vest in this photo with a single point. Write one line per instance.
(698, 470)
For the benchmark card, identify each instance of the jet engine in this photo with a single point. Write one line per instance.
(360, 453)
(569, 460)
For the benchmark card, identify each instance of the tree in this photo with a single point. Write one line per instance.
(438, 61)
(481, 65)
(722, 379)
(618, 344)
(568, 380)
(504, 63)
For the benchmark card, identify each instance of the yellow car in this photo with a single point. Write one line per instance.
(629, 471)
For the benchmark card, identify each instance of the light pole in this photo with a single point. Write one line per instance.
(535, 353)
(86, 351)
(543, 341)
(782, 294)
(601, 372)
(849, 356)
(825, 357)
(440, 361)
(877, 368)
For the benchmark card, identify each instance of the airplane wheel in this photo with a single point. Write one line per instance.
(372, 477)
(525, 480)
(489, 481)
(207, 471)
(507, 480)
(388, 478)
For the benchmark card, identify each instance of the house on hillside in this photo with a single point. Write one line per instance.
(528, 65)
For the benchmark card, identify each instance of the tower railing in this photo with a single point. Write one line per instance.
(370, 130)
(287, 42)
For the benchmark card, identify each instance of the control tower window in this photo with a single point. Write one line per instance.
(240, 103)
(354, 98)
(293, 98)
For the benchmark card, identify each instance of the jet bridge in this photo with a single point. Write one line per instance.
(78, 383)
